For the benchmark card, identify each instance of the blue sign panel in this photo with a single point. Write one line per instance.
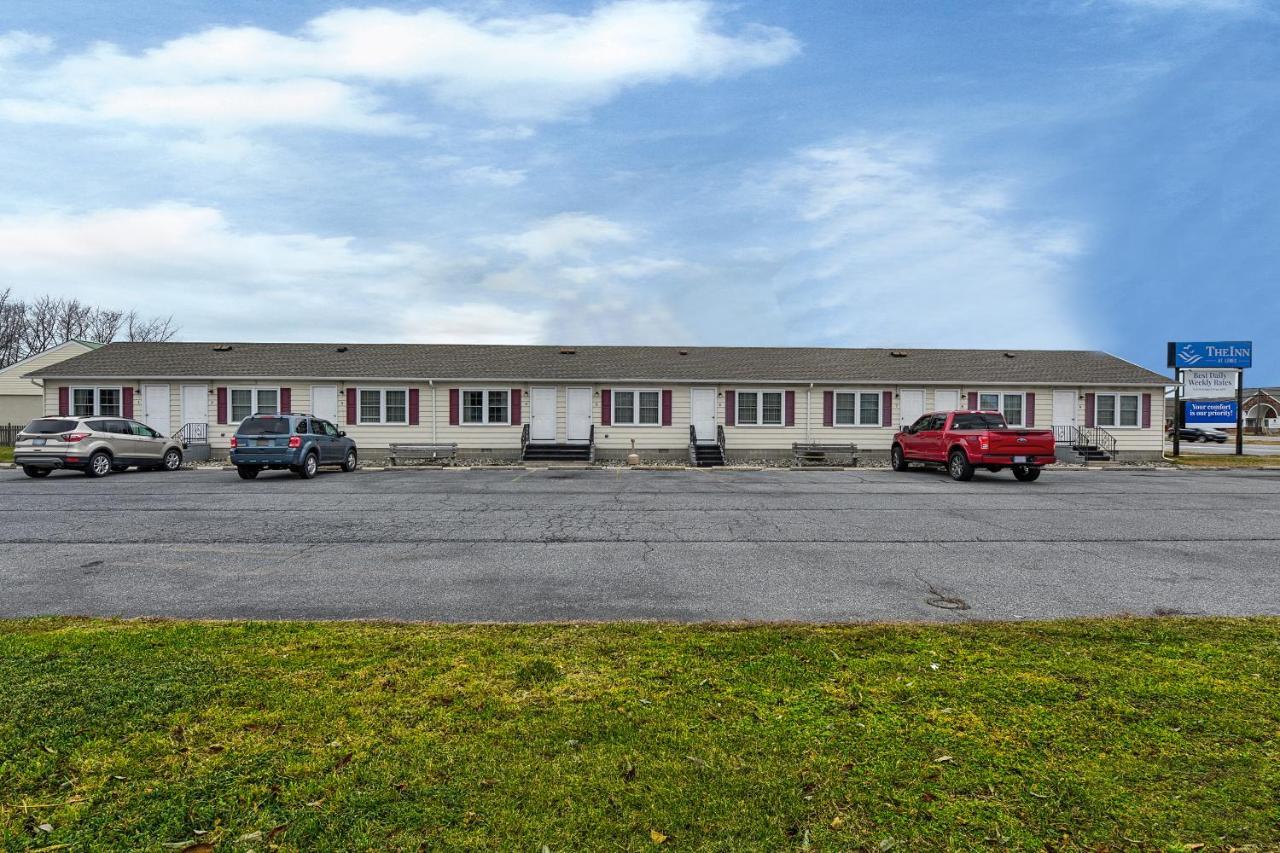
(1211, 354)
(1211, 412)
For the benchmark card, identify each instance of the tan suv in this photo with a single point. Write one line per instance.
(96, 446)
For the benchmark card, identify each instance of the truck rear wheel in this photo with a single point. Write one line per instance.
(959, 466)
(1026, 473)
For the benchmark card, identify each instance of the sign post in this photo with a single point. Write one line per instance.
(1197, 355)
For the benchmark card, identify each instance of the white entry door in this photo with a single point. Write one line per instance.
(578, 413)
(946, 400)
(702, 413)
(324, 402)
(1064, 408)
(155, 408)
(195, 404)
(912, 405)
(542, 414)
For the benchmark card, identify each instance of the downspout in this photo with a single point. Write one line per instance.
(435, 421)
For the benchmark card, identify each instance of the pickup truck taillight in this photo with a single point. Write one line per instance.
(984, 443)
(73, 437)
(295, 441)
(233, 442)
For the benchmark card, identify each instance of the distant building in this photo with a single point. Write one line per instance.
(1262, 411)
(21, 398)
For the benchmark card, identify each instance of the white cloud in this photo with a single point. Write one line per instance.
(567, 234)
(17, 43)
(474, 323)
(893, 250)
(533, 68)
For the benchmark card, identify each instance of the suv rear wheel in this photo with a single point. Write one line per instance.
(349, 464)
(33, 471)
(959, 466)
(246, 472)
(307, 469)
(99, 465)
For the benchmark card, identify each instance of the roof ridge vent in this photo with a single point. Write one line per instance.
(342, 349)
(568, 351)
(684, 352)
(897, 353)
(222, 347)
(1011, 355)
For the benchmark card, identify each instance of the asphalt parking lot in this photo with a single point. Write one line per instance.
(558, 544)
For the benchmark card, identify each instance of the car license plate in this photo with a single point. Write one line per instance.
(38, 442)
(263, 442)
(1019, 459)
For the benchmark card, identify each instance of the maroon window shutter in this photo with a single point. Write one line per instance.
(413, 407)
(64, 401)
(453, 407)
(666, 407)
(1088, 410)
(1146, 411)
(886, 409)
(222, 404)
(828, 408)
(973, 400)
(126, 402)
(730, 408)
(515, 406)
(789, 398)
(353, 399)
(286, 399)
(1029, 416)
(606, 407)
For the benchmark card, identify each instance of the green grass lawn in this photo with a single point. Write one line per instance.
(1212, 460)
(1151, 734)
(6, 454)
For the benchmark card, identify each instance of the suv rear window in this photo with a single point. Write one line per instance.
(978, 421)
(48, 426)
(264, 426)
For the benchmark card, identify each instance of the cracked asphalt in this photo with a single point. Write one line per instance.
(560, 544)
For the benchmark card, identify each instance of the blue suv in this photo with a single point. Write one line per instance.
(301, 443)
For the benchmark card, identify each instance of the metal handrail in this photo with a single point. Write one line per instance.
(591, 443)
(193, 433)
(1099, 438)
(1066, 434)
(720, 439)
(693, 445)
(524, 439)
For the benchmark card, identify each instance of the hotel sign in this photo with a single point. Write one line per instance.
(1234, 354)
(1208, 384)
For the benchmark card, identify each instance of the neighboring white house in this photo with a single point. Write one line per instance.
(21, 398)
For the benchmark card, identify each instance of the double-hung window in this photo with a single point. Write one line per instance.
(384, 406)
(759, 408)
(857, 408)
(486, 406)
(636, 407)
(88, 402)
(251, 401)
(1117, 410)
(1010, 405)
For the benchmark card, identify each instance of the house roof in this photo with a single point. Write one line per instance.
(604, 363)
(16, 367)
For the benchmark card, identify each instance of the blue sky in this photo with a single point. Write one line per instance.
(1070, 173)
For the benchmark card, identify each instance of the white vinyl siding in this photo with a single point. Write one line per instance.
(637, 406)
(481, 406)
(857, 408)
(251, 401)
(96, 401)
(383, 406)
(759, 408)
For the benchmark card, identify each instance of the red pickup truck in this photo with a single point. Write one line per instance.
(965, 440)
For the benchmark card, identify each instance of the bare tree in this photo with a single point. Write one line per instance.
(27, 328)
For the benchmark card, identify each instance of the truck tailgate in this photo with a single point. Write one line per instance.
(1028, 442)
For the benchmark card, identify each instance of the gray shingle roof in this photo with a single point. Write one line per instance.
(606, 363)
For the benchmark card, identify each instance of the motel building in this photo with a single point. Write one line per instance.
(506, 403)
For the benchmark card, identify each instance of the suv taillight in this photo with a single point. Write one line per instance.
(73, 437)
(233, 442)
(295, 441)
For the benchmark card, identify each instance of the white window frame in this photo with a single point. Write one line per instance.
(1000, 408)
(760, 392)
(634, 393)
(857, 407)
(97, 400)
(462, 407)
(256, 406)
(1116, 395)
(382, 407)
